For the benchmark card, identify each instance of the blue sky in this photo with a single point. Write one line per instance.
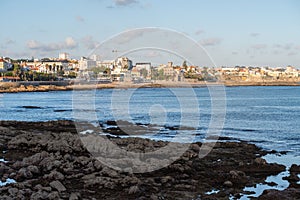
(234, 32)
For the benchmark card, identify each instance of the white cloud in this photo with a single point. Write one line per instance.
(125, 2)
(254, 34)
(292, 53)
(287, 46)
(79, 18)
(130, 35)
(89, 42)
(199, 32)
(259, 46)
(9, 41)
(210, 41)
(33, 44)
(69, 43)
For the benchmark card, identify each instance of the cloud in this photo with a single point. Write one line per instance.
(254, 34)
(287, 46)
(124, 2)
(69, 43)
(292, 53)
(33, 44)
(130, 35)
(211, 41)
(79, 18)
(9, 41)
(89, 42)
(153, 54)
(200, 31)
(259, 46)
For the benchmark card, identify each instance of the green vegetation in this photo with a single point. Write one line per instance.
(144, 73)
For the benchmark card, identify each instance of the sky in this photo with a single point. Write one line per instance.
(232, 32)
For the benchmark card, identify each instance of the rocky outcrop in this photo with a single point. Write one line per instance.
(49, 161)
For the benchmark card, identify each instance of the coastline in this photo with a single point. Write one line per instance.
(48, 160)
(15, 87)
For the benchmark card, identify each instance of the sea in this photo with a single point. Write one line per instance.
(268, 116)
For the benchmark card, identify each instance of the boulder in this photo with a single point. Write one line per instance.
(58, 186)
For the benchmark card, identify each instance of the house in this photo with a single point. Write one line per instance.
(49, 66)
(121, 66)
(4, 65)
(144, 66)
(106, 63)
(168, 71)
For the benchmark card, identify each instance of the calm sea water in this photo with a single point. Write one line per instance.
(266, 116)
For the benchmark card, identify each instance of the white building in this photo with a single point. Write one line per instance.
(63, 56)
(95, 57)
(122, 65)
(86, 63)
(106, 63)
(147, 66)
(4, 65)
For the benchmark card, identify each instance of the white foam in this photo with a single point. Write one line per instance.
(213, 191)
(8, 181)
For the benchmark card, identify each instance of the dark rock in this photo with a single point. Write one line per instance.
(33, 169)
(5, 197)
(290, 193)
(195, 147)
(24, 173)
(55, 175)
(228, 184)
(53, 196)
(13, 191)
(3, 168)
(38, 187)
(74, 196)
(133, 189)
(39, 195)
(58, 186)
(260, 161)
(295, 168)
(44, 154)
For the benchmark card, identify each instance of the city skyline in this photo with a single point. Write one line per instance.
(232, 32)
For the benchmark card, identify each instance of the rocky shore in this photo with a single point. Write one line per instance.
(13, 87)
(47, 160)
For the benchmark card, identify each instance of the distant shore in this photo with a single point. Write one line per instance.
(35, 86)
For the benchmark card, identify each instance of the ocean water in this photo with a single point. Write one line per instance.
(267, 116)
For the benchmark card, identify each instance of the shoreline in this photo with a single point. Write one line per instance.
(16, 87)
(48, 160)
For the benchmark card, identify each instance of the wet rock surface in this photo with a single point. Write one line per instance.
(49, 161)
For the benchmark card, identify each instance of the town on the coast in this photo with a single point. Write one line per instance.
(122, 69)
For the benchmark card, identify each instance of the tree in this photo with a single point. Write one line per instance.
(144, 72)
(161, 74)
(16, 69)
(184, 65)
